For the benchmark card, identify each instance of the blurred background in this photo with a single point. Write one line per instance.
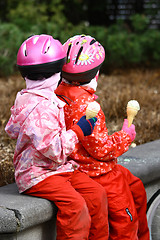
(129, 30)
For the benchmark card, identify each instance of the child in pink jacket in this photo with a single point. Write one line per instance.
(43, 144)
(97, 154)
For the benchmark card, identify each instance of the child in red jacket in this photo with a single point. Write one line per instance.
(97, 154)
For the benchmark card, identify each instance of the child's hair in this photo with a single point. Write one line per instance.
(85, 56)
(40, 56)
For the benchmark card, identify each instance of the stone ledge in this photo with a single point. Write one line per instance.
(143, 161)
(19, 212)
(24, 217)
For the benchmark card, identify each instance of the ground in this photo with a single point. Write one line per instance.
(114, 91)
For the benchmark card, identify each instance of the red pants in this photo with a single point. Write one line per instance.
(82, 205)
(140, 200)
(123, 220)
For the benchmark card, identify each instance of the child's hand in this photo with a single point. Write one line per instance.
(84, 127)
(130, 130)
(87, 126)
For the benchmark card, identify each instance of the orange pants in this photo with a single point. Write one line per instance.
(127, 204)
(82, 205)
(123, 221)
(140, 200)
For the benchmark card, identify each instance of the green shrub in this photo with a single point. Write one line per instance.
(116, 48)
(10, 40)
(26, 14)
(124, 47)
(133, 50)
(139, 22)
(150, 45)
(36, 14)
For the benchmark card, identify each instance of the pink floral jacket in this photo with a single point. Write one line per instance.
(43, 144)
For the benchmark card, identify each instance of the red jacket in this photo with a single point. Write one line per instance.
(96, 154)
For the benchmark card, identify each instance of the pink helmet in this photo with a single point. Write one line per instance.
(84, 58)
(40, 54)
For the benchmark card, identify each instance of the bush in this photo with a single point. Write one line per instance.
(10, 40)
(150, 41)
(123, 49)
(125, 46)
(139, 22)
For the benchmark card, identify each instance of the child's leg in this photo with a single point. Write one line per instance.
(140, 199)
(73, 219)
(123, 220)
(96, 199)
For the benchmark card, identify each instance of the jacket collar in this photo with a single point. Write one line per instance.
(86, 87)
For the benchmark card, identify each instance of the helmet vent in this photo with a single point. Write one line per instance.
(79, 53)
(92, 41)
(69, 48)
(46, 46)
(35, 39)
(25, 50)
(46, 50)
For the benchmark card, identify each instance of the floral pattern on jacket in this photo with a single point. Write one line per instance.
(96, 154)
(43, 143)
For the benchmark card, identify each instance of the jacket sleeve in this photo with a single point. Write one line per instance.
(48, 134)
(102, 146)
(99, 144)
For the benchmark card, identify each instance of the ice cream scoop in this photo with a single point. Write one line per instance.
(92, 109)
(132, 109)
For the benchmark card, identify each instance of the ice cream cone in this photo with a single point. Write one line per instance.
(90, 113)
(92, 110)
(131, 113)
(132, 110)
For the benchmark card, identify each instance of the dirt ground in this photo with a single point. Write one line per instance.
(114, 91)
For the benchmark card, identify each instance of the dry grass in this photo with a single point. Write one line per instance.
(114, 92)
(144, 86)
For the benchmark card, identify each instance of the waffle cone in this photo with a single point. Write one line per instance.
(131, 113)
(90, 113)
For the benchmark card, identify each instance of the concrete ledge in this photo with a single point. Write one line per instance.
(143, 161)
(19, 212)
(24, 217)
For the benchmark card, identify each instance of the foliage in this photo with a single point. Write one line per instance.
(124, 49)
(10, 40)
(37, 13)
(126, 45)
(139, 22)
(150, 41)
